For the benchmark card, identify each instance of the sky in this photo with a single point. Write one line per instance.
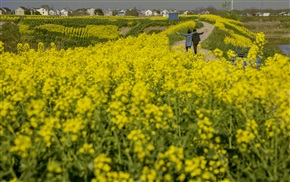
(147, 4)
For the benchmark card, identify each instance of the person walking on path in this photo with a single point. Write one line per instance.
(196, 39)
(188, 41)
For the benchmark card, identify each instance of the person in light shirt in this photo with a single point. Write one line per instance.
(188, 41)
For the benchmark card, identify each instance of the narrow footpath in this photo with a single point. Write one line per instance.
(209, 27)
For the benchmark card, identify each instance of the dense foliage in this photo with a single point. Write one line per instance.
(79, 31)
(135, 110)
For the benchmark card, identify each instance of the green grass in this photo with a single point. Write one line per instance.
(216, 40)
(61, 41)
(276, 28)
(175, 38)
(10, 36)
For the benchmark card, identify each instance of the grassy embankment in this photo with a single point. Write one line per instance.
(275, 28)
(26, 31)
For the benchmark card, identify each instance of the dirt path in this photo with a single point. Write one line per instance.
(148, 29)
(125, 30)
(209, 28)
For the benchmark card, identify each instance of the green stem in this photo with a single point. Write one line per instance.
(13, 173)
(276, 154)
(231, 122)
(119, 148)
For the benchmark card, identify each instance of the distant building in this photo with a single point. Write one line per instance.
(173, 11)
(5, 11)
(141, 12)
(265, 14)
(64, 12)
(54, 12)
(185, 12)
(284, 14)
(165, 13)
(155, 13)
(91, 11)
(121, 13)
(205, 12)
(173, 16)
(148, 12)
(20, 10)
(80, 12)
(262, 14)
(43, 11)
(107, 12)
(57, 12)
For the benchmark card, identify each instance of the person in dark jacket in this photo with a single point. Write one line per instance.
(188, 41)
(196, 39)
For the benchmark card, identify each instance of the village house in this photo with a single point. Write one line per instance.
(107, 12)
(80, 12)
(5, 11)
(121, 13)
(53, 12)
(205, 12)
(165, 13)
(42, 11)
(20, 10)
(64, 12)
(91, 11)
(284, 14)
(148, 12)
(185, 12)
(262, 14)
(155, 13)
(57, 12)
(141, 12)
(265, 14)
(173, 11)
(33, 11)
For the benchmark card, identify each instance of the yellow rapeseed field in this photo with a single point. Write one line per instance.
(135, 110)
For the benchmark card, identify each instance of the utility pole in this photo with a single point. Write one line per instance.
(233, 4)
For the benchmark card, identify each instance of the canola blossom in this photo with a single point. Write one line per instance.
(135, 110)
(110, 18)
(173, 29)
(24, 29)
(9, 18)
(100, 31)
(238, 35)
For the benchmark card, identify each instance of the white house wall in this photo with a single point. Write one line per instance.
(19, 11)
(42, 11)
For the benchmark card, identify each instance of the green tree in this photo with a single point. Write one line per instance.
(157, 11)
(115, 12)
(27, 12)
(226, 6)
(132, 12)
(10, 36)
(36, 13)
(226, 11)
(80, 12)
(99, 11)
(212, 10)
